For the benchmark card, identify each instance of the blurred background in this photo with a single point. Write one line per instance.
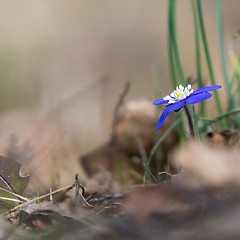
(63, 65)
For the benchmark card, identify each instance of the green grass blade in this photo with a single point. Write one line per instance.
(208, 58)
(171, 128)
(172, 60)
(219, 117)
(236, 76)
(11, 199)
(173, 39)
(218, 10)
(14, 194)
(173, 70)
(198, 55)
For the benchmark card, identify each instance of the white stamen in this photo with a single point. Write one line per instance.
(179, 94)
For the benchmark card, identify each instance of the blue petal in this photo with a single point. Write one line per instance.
(198, 98)
(206, 89)
(160, 101)
(169, 109)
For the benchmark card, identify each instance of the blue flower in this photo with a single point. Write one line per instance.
(181, 96)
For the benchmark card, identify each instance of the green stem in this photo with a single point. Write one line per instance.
(172, 63)
(172, 31)
(171, 128)
(218, 11)
(208, 58)
(198, 55)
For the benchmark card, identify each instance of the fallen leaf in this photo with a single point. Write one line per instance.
(207, 166)
(167, 200)
(133, 138)
(222, 139)
(11, 179)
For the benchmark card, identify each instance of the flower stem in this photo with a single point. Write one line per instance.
(190, 121)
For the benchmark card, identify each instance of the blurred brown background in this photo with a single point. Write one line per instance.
(63, 65)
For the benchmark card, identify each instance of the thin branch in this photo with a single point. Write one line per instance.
(41, 197)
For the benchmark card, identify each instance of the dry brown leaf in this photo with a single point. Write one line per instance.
(70, 205)
(136, 120)
(147, 200)
(103, 182)
(203, 165)
(134, 136)
(222, 139)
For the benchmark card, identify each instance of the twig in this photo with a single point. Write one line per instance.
(76, 188)
(78, 193)
(41, 197)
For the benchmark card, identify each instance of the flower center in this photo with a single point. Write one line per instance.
(178, 95)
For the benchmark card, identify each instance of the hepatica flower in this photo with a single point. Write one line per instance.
(182, 96)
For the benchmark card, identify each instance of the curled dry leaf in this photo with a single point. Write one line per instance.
(202, 165)
(133, 138)
(136, 122)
